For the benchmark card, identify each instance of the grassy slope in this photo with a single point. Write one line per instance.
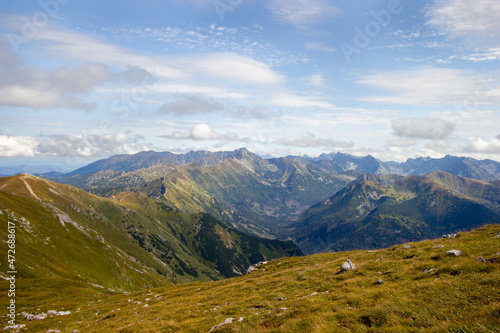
(305, 294)
(97, 253)
(129, 243)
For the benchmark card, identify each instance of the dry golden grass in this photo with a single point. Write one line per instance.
(303, 294)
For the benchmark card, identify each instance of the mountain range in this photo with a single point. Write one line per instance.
(458, 166)
(272, 197)
(206, 216)
(382, 210)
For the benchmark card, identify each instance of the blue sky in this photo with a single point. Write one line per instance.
(84, 80)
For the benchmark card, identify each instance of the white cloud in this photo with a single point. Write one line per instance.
(458, 18)
(316, 80)
(70, 145)
(433, 129)
(17, 146)
(478, 145)
(486, 55)
(301, 12)
(63, 86)
(201, 132)
(432, 86)
(234, 67)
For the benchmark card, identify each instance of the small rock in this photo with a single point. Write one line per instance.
(379, 281)
(227, 321)
(52, 331)
(347, 266)
(481, 259)
(450, 236)
(406, 247)
(51, 312)
(438, 246)
(455, 253)
(63, 313)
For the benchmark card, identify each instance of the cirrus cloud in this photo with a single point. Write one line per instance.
(459, 18)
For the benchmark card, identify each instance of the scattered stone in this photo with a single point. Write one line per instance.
(254, 266)
(438, 246)
(430, 271)
(53, 331)
(379, 281)
(450, 236)
(51, 313)
(455, 253)
(227, 321)
(347, 266)
(497, 236)
(63, 313)
(481, 259)
(283, 309)
(126, 293)
(314, 294)
(14, 327)
(406, 247)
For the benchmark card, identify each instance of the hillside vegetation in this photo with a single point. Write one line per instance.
(420, 289)
(380, 211)
(128, 242)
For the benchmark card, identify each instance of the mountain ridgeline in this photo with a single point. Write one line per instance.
(331, 202)
(380, 211)
(127, 242)
(255, 195)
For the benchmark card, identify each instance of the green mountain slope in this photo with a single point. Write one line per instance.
(255, 195)
(422, 289)
(379, 211)
(131, 242)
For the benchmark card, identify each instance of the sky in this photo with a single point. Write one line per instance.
(396, 79)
